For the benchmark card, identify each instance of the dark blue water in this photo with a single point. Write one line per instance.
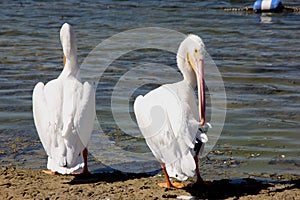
(257, 55)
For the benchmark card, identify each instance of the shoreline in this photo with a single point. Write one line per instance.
(20, 183)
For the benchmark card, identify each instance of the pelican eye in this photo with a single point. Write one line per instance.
(196, 50)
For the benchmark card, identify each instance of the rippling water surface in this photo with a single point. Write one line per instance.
(257, 55)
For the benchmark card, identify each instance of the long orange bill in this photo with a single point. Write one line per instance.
(201, 89)
(198, 68)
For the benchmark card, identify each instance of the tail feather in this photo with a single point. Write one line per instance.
(182, 168)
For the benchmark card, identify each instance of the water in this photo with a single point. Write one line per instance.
(257, 55)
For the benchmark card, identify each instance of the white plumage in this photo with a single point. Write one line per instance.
(172, 112)
(64, 112)
(168, 116)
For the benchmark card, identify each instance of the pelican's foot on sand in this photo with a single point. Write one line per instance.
(172, 185)
(50, 172)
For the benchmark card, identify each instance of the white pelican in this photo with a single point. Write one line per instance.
(64, 113)
(169, 119)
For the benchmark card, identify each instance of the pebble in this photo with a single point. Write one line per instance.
(184, 197)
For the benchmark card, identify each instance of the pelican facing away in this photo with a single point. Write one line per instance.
(169, 119)
(64, 113)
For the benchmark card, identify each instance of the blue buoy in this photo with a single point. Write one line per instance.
(268, 6)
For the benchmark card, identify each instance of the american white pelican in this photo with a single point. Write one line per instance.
(64, 113)
(169, 119)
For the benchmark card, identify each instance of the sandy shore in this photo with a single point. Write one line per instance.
(34, 184)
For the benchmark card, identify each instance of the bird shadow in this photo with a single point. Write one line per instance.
(109, 174)
(215, 189)
(235, 188)
(108, 177)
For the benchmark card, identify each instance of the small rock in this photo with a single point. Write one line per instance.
(172, 196)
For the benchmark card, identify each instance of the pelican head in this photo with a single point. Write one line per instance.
(68, 42)
(190, 61)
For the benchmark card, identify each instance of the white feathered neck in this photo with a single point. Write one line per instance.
(68, 42)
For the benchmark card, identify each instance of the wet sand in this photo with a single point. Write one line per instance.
(16, 183)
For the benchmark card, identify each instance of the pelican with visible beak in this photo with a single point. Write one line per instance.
(169, 119)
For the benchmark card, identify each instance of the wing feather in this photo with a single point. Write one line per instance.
(159, 116)
(85, 114)
(41, 115)
(169, 127)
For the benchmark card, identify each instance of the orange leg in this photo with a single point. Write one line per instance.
(197, 150)
(85, 168)
(199, 178)
(168, 183)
